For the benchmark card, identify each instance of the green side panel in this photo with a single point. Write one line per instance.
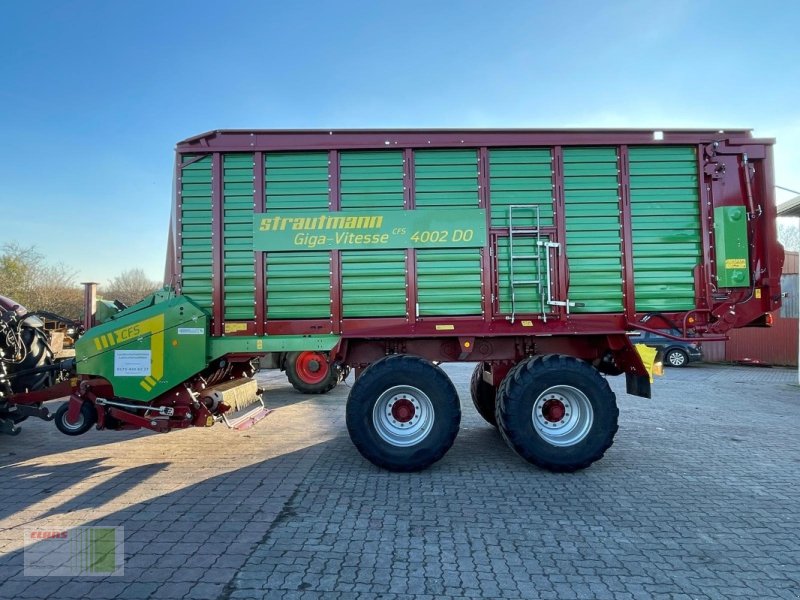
(144, 352)
(591, 196)
(449, 282)
(238, 255)
(195, 229)
(298, 285)
(296, 180)
(521, 176)
(528, 298)
(667, 240)
(250, 344)
(730, 244)
(372, 179)
(446, 178)
(373, 283)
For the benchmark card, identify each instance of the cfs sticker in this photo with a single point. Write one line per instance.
(191, 330)
(132, 363)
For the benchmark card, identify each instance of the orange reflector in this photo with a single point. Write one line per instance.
(691, 320)
(770, 320)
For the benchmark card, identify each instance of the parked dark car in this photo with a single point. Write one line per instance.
(675, 353)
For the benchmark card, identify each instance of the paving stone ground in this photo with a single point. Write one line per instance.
(698, 498)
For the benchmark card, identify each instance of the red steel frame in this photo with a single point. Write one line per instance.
(714, 148)
(217, 241)
(260, 284)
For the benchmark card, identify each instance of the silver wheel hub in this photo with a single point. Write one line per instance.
(403, 416)
(76, 425)
(562, 415)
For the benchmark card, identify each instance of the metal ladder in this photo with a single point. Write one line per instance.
(542, 247)
(514, 282)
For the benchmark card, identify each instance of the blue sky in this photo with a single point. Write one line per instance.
(94, 95)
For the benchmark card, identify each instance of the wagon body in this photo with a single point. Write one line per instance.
(475, 234)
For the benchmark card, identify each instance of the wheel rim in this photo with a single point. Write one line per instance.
(562, 415)
(312, 367)
(676, 359)
(403, 416)
(73, 426)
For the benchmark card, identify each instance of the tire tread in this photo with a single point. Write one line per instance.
(511, 389)
(417, 369)
(484, 396)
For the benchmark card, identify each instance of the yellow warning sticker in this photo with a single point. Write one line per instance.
(758, 293)
(234, 327)
(527, 323)
(735, 263)
(445, 327)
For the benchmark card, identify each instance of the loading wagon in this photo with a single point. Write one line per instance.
(533, 253)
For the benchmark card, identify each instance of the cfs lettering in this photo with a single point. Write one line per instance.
(127, 333)
(399, 231)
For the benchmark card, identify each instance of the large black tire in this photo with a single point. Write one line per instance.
(676, 358)
(86, 418)
(403, 391)
(311, 372)
(484, 396)
(557, 412)
(38, 354)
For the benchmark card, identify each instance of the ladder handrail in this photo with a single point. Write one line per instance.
(541, 247)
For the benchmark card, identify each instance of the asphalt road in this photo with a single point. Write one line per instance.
(698, 498)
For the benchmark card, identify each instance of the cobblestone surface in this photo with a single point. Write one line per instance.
(696, 499)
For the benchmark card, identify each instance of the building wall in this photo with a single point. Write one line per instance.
(714, 351)
(776, 345)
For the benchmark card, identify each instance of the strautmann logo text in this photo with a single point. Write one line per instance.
(369, 229)
(322, 222)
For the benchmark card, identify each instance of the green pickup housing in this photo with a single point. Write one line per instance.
(148, 349)
(730, 233)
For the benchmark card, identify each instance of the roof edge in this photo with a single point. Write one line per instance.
(735, 131)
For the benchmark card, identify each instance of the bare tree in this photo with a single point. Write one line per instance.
(789, 232)
(130, 287)
(26, 278)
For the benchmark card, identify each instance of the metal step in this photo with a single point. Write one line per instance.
(246, 417)
(517, 282)
(244, 402)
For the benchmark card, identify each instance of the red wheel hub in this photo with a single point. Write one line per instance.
(553, 411)
(312, 367)
(403, 410)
